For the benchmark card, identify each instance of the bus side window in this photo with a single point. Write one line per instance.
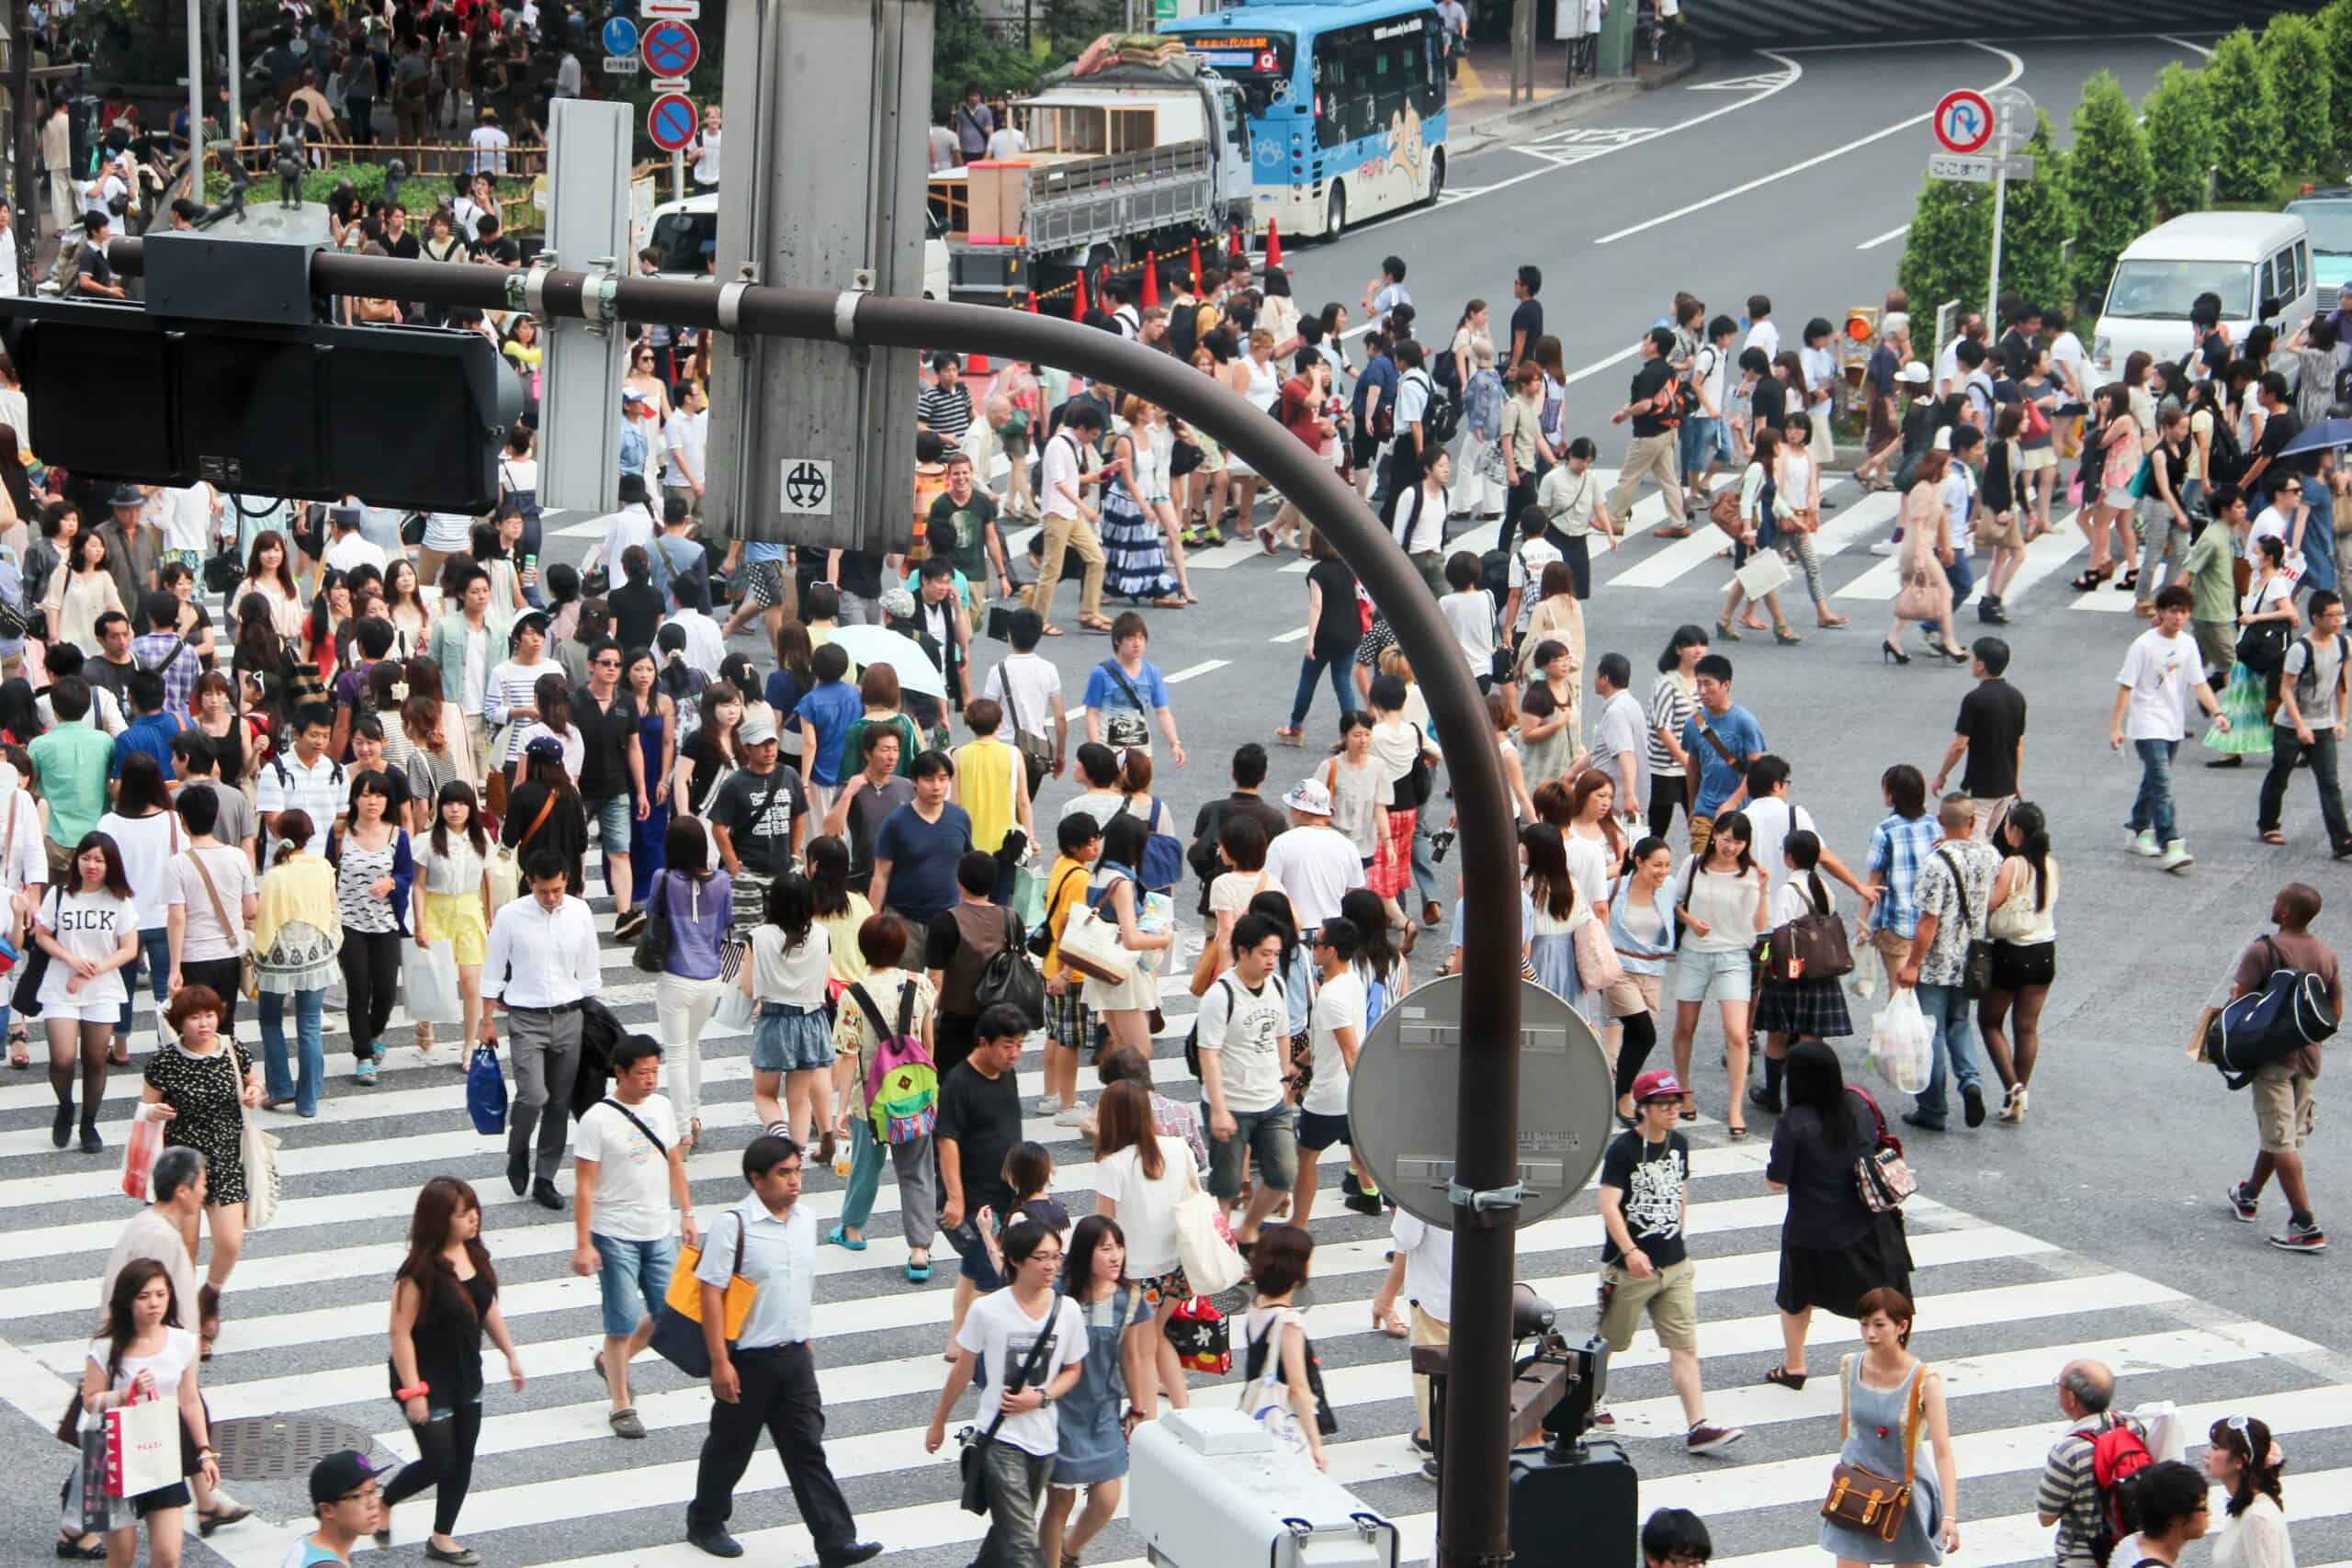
(1429, 89)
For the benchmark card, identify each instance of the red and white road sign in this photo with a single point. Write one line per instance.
(1962, 120)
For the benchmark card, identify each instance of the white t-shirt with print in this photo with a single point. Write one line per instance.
(2160, 671)
(1247, 1030)
(632, 1199)
(1002, 1335)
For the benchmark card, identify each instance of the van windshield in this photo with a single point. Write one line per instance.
(2164, 290)
(2330, 224)
(684, 241)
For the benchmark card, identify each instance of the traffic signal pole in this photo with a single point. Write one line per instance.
(1473, 1525)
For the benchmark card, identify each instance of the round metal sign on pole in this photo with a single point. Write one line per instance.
(2013, 118)
(670, 121)
(620, 36)
(672, 49)
(1962, 120)
(1404, 1094)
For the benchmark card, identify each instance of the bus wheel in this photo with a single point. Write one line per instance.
(1335, 212)
(1437, 177)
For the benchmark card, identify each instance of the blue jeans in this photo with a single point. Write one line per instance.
(310, 1009)
(2319, 537)
(155, 951)
(1424, 868)
(1342, 670)
(1952, 1017)
(2152, 808)
(1960, 574)
(1704, 438)
(631, 1279)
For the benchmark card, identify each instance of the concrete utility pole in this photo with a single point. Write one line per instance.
(1473, 1527)
(196, 92)
(233, 25)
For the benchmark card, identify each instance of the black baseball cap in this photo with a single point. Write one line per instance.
(338, 1475)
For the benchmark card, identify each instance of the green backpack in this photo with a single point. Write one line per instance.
(903, 1081)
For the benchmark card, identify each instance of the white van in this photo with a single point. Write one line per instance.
(686, 234)
(2259, 263)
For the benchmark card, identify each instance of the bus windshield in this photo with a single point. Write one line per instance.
(1259, 61)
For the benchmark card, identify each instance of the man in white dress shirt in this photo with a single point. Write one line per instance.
(541, 967)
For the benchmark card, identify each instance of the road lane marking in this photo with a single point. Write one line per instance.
(1201, 668)
(1895, 234)
(2016, 69)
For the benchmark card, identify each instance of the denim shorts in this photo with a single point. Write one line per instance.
(632, 1278)
(615, 813)
(1697, 972)
(788, 1039)
(1270, 1135)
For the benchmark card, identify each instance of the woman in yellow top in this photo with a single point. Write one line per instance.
(992, 786)
(296, 933)
(840, 909)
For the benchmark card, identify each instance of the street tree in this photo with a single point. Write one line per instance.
(2335, 37)
(2181, 147)
(2036, 222)
(2245, 120)
(2297, 63)
(2109, 182)
(1949, 252)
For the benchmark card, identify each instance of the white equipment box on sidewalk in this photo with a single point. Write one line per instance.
(1208, 1489)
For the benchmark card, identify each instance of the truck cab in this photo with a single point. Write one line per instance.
(686, 235)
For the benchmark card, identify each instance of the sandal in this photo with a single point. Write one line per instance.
(1053, 631)
(1736, 1132)
(209, 1520)
(1171, 602)
(74, 1552)
(2274, 837)
(1070, 1559)
(837, 1236)
(916, 1274)
(1097, 625)
(1724, 632)
(2092, 577)
(1785, 1378)
(1689, 1113)
(20, 1054)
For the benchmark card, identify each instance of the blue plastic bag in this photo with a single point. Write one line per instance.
(486, 1092)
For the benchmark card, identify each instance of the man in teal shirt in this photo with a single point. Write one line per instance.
(73, 761)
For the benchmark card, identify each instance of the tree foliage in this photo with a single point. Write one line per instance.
(1949, 252)
(2036, 222)
(2109, 182)
(2335, 41)
(2179, 115)
(2297, 65)
(2244, 119)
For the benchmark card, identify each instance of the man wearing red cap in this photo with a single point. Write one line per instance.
(1645, 1181)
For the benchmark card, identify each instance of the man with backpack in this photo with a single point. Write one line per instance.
(1244, 1036)
(2285, 1090)
(2085, 1467)
(1655, 408)
(2312, 704)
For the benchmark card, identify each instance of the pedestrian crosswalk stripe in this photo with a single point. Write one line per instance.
(2043, 557)
(1842, 528)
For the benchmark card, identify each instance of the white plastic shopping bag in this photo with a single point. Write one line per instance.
(1902, 1047)
(1869, 969)
(431, 973)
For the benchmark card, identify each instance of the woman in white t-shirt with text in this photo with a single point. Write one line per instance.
(143, 1355)
(89, 928)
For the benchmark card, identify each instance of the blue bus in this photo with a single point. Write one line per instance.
(1346, 105)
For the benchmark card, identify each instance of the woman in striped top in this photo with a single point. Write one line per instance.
(1672, 702)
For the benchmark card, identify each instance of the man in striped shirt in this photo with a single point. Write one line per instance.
(945, 406)
(2068, 1497)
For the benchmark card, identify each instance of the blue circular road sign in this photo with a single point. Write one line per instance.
(620, 36)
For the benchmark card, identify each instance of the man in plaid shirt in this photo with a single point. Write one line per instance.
(165, 651)
(1899, 847)
(2068, 1497)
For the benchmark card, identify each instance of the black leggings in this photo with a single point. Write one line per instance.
(445, 1454)
(1641, 1039)
(371, 976)
(1667, 791)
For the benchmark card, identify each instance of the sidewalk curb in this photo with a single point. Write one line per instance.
(1492, 130)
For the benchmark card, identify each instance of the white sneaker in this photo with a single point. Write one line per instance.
(1884, 547)
(1047, 1104)
(2177, 857)
(1074, 1116)
(2144, 843)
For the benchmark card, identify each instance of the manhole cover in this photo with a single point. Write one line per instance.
(277, 1448)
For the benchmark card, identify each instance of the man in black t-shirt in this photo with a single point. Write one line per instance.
(1526, 318)
(1991, 730)
(91, 273)
(612, 772)
(979, 1126)
(758, 818)
(1644, 1265)
(1651, 453)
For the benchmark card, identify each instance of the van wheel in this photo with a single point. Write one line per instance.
(1335, 212)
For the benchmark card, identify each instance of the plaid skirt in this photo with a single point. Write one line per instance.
(1391, 871)
(1808, 1009)
(1068, 1021)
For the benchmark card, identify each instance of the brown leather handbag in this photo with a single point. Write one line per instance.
(1861, 1497)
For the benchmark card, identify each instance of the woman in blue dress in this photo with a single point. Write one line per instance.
(1892, 1402)
(657, 736)
(1094, 1451)
(1135, 563)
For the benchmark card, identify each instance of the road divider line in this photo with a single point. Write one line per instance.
(1202, 668)
(1893, 233)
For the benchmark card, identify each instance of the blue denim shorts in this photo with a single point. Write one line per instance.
(614, 815)
(1270, 1135)
(632, 1278)
(787, 1039)
(1727, 974)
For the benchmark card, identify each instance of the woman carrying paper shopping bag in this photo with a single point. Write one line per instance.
(144, 1357)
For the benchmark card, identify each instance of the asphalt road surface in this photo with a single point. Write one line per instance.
(2096, 1228)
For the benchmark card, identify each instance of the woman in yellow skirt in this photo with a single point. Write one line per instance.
(454, 860)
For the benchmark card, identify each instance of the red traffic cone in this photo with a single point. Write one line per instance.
(1077, 299)
(978, 364)
(1196, 262)
(1033, 301)
(1274, 244)
(1150, 281)
(1240, 250)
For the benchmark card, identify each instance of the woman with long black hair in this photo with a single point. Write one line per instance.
(2024, 929)
(544, 811)
(142, 1353)
(445, 1298)
(1834, 1249)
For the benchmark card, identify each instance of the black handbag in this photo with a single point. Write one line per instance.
(2261, 647)
(1009, 977)
(1977, 963)
(26, 999)
(651, 953)
(973, 1460)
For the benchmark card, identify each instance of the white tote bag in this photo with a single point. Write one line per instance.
(1204, 1244)
(264, 1185)
(429, 974)
(142, 1448)
(1090, 946)
(1764, 573)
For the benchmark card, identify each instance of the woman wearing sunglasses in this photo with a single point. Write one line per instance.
(2244, 1459)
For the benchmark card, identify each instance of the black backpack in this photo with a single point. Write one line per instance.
(2268, 1025)
(2225, 459)
(1445, 371)
(1442, 423)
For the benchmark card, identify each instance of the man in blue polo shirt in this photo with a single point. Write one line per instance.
(151, 730)
(1723, 738)
(916, 852)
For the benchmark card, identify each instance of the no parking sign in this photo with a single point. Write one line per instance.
(670, 121)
